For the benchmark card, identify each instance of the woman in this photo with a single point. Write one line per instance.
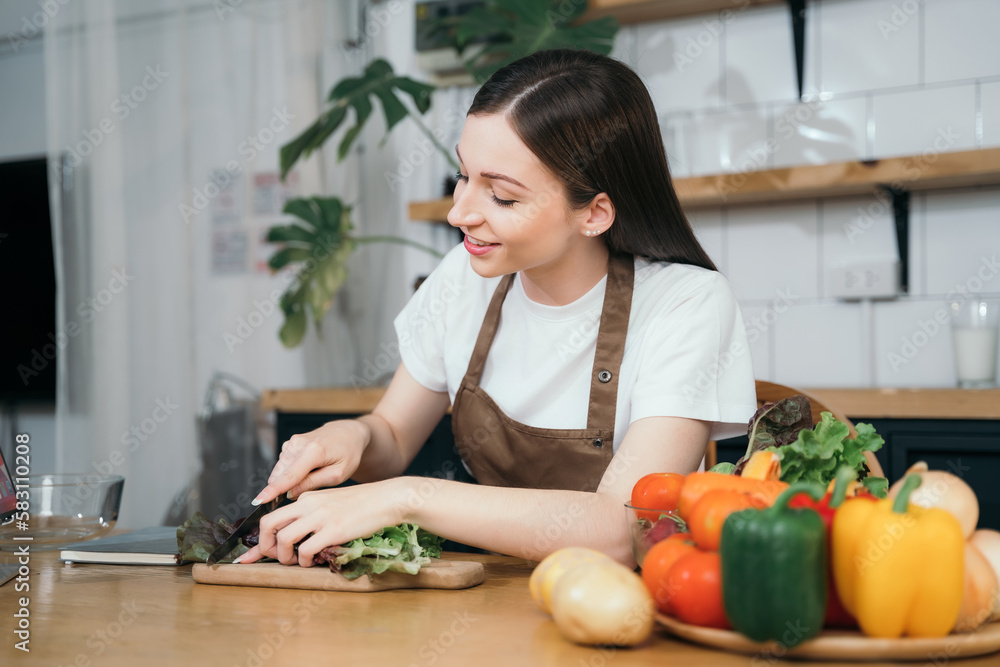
(580, 332)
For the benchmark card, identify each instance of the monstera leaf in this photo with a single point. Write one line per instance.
(318, 245)
(513, 29)
(378, 81)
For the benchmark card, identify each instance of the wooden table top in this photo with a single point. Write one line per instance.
(860, 403)
(109, 615)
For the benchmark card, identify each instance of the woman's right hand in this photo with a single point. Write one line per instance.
(321, 458)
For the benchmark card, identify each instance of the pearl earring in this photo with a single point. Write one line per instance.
(588, 233)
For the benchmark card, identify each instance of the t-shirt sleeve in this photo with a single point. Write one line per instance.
(420, 326)
(696, 362)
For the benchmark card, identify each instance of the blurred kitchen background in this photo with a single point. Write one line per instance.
(162, 121)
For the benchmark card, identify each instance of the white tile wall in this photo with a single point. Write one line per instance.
(862, 48)
(819, 345)
(911, 69)
(989, 95)
(961, 39)
(731, 141)
(760, 57)
(760, 322)
(855, 229)
(963, 241)
(939, 119)
(773, 250)
(818, 132)
(709, 228)
(912, 346)
(680, 63)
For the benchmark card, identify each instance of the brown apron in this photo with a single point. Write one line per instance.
(502, 452)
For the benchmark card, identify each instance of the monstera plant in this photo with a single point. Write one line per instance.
(318, 244)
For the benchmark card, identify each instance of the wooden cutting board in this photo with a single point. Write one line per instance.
(449, 574)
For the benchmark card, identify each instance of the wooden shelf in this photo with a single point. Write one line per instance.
(639, 11)
(914, 403)
(870, 403)
(914, 173)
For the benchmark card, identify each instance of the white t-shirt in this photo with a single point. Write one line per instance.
(686, 352)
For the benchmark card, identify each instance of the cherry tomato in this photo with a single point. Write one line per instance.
(711, 511)
(695, 583)
(657, 563)
(658, 491)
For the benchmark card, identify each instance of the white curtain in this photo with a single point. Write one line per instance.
(166, 118)
(164, 121)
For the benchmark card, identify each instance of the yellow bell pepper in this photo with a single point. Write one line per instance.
(899, 568)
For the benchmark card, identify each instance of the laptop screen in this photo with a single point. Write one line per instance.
(7, 498)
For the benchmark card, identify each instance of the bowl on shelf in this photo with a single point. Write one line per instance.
(63, 508)
(646, 527)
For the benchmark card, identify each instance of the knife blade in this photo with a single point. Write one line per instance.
(244, 528)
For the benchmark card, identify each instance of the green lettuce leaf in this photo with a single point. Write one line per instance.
(402, 548)
(817, 453)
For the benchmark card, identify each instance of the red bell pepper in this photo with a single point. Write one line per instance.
(836, 616)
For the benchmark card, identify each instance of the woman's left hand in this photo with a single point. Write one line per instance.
(320, 519)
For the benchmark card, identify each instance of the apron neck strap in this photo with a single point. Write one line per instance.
(611, 342)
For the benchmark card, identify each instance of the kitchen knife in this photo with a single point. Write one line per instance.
(244, 528)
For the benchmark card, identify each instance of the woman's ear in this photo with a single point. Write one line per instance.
(598, 216)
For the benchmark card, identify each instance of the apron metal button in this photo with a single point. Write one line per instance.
(604, 376)
(598, 442)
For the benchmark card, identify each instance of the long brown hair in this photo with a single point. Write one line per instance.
(589, 119)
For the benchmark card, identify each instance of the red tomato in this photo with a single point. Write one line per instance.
(695, 583)
(657, 491)
(657, 563)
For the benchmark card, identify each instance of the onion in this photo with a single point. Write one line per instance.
(939, 488)
(988, 543)
(982, 590)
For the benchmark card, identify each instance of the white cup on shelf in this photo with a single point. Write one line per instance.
(974, 325)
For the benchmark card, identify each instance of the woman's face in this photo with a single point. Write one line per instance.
(512, 209)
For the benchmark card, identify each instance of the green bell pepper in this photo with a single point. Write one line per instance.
(774, 570)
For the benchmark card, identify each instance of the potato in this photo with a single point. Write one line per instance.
(603, 603)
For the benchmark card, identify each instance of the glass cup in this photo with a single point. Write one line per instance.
(974, 325)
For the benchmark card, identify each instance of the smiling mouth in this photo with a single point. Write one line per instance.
(477, 242)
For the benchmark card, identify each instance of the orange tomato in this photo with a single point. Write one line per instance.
(697, 484)
(657, 563)
(657, 491)
(710, 512)
(695, 583)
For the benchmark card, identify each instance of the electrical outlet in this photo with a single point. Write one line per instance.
(865, 280)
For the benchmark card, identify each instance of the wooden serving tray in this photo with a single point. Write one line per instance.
(846, 644)
(447, 574)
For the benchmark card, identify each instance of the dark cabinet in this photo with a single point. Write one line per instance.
(967, 448)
